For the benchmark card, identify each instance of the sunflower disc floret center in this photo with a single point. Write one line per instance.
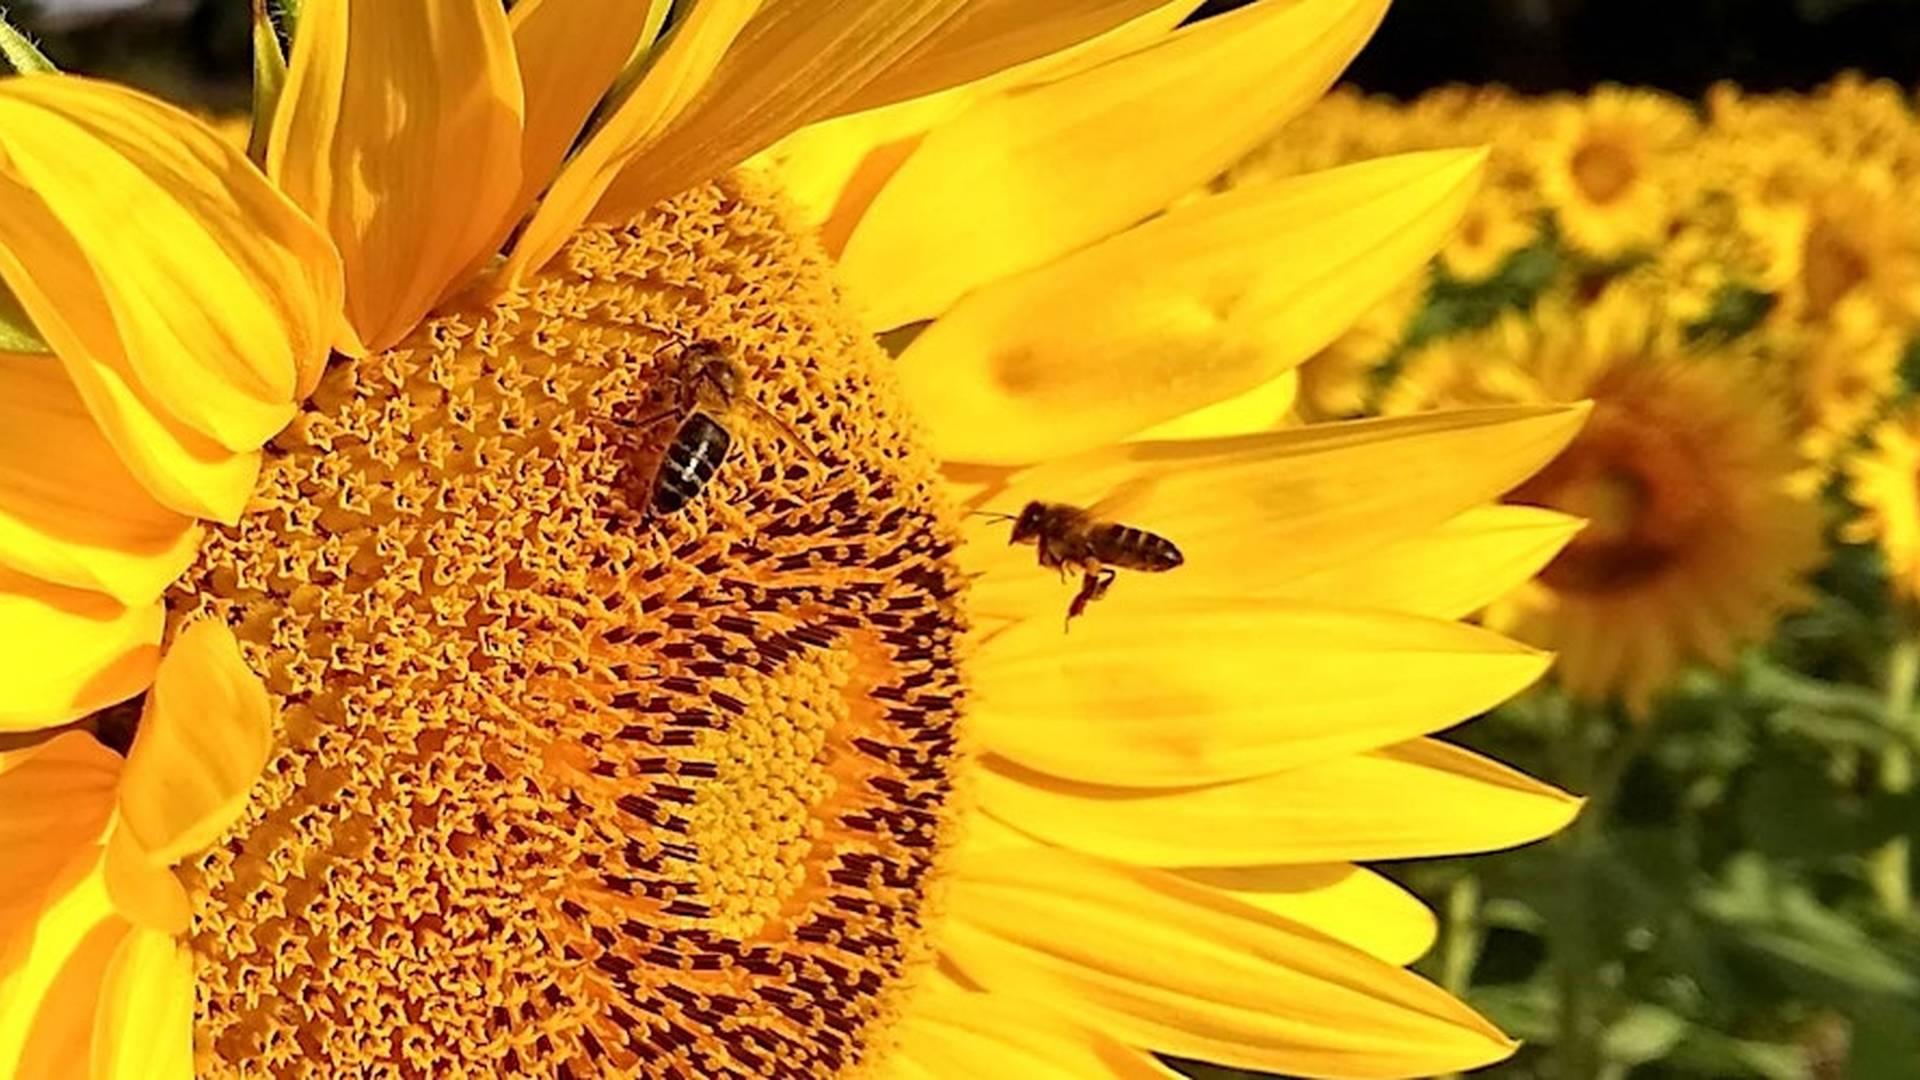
(1604, 169)
(564, 788)
(1640, 486)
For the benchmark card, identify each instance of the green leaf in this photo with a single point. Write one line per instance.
(269, 76)
(1810, 946)
(1710, 1053)
(1526, 1010)
(1645, 1033)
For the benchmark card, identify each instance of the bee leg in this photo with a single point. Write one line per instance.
(645, 422)
(1095, 580)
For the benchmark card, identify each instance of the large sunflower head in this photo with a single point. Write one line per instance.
(1604, 170)
(1696, 536)
(444, 748)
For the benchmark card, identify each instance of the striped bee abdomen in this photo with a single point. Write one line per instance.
(699, 446)
(1133, 549)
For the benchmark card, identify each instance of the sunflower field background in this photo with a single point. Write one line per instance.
(1732, 277)
(1732, 282)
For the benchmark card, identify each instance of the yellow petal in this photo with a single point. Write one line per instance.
(203, 740)
(399, 132)
(953, 1032)
(1417, 799)
(680, 68)
(1162, 963)
(1266, 407)
(1340, 900)
(1201, 304)
(50, 978)
(70, 512)
(218, 294)
(190, 328)
(70, 652)
(1185, 694)
(1253, 513)
(1446, 572)
(1022, 179)
(982, 37)
(829, 169)
(144, 1027)
(55, 799)
(799, 61)
(570, 52)
(144, 892)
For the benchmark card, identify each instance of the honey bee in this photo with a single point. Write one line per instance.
(710, 390)
(1072, 538)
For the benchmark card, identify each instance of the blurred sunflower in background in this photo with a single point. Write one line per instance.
(1884, 483)
(1697, 539)
(1601, 168)
(454, 759)
(1729, 281)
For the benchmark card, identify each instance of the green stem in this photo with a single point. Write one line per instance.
(19, 55)
(1461, 941)
(1889, 868)
(1576, 952)
(1463, 938)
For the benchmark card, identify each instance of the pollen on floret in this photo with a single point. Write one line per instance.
(563, 788)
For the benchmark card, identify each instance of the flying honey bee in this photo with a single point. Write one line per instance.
(1072, 538)
(709, 391)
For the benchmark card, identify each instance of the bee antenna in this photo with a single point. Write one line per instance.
(993, 514)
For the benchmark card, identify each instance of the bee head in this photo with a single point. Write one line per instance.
(1026, 527)
(716, 372)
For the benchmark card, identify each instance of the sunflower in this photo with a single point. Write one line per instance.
(1338, 381)
(1882, 482)
(458, 760)
(1603, 171)
(1697, 536)
(1854, 239)
(1497, 224)
(1844, 374)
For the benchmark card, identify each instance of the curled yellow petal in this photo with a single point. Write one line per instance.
(1252, 514)
(1191, 694)
(70, 652)
(143, 1029)
(70, 511)
(51, 976)
(979, 38)
(1250, 990)
(203, 740)
(1416, 799)
(1199, 305)
(1021, 179)
(1340, 900)
(799, 61)
(679, 68)
(55, 800)
(144, 892)
(189, 328)
(833, 168)
(399, 131)
(1446, 572)
(570, 52)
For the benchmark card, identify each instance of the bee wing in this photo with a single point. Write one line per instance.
(766, 416)
(1123, 501)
